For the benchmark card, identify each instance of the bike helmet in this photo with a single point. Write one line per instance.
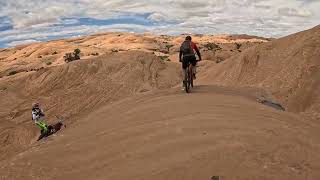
(35, 105)
(188, 38)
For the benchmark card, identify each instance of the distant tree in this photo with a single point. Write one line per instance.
(68, 57)
(76, 53)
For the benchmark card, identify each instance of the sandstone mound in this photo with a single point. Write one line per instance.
(288, 67)
(158, 136)
(123, 131)
(37, 55)
(79, 87)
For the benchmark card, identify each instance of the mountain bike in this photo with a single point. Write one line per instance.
(188, 78)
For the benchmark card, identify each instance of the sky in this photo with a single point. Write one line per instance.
(27, 21)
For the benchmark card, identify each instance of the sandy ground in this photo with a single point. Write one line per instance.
(127, 117)
(171, 135)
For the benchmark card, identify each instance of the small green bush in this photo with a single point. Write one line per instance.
(164, 58)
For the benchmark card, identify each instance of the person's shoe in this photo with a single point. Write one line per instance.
(42, 135)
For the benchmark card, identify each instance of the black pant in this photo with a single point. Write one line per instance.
(187, 60)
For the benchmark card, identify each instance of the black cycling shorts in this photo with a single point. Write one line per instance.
(187, 60)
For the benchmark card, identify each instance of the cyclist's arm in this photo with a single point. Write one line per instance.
(180, 56)
(34, 116)
(41, 112)
(197, 51)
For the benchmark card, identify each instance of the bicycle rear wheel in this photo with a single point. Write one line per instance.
(186, 81)
(189, 83)
(191, 77)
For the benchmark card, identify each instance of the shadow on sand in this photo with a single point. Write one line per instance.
(255, 94)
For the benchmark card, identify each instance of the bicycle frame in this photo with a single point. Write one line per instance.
(188, 78)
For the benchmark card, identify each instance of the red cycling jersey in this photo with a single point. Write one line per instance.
(194, 46)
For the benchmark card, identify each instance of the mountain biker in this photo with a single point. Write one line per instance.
(37, 117)
(187, 55)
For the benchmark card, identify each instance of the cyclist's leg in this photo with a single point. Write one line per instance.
(190, 71)
(194, 63)
(185, 65)
(42, 126)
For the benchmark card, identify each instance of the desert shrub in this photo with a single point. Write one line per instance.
(68, 57)
(164, 58)
(48, 63)
(219, 60)
(168, 46)
(12, 73)
(212, 46)
(215, 178)
(114, 50)
(76, 54)
(54, 53)
(238, 45)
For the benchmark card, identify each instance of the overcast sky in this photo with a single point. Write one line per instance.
(25, 21)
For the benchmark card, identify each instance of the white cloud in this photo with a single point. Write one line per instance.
(260, 17)
(15, 43)
(30, 35)
(295, 12)
(158, 17)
